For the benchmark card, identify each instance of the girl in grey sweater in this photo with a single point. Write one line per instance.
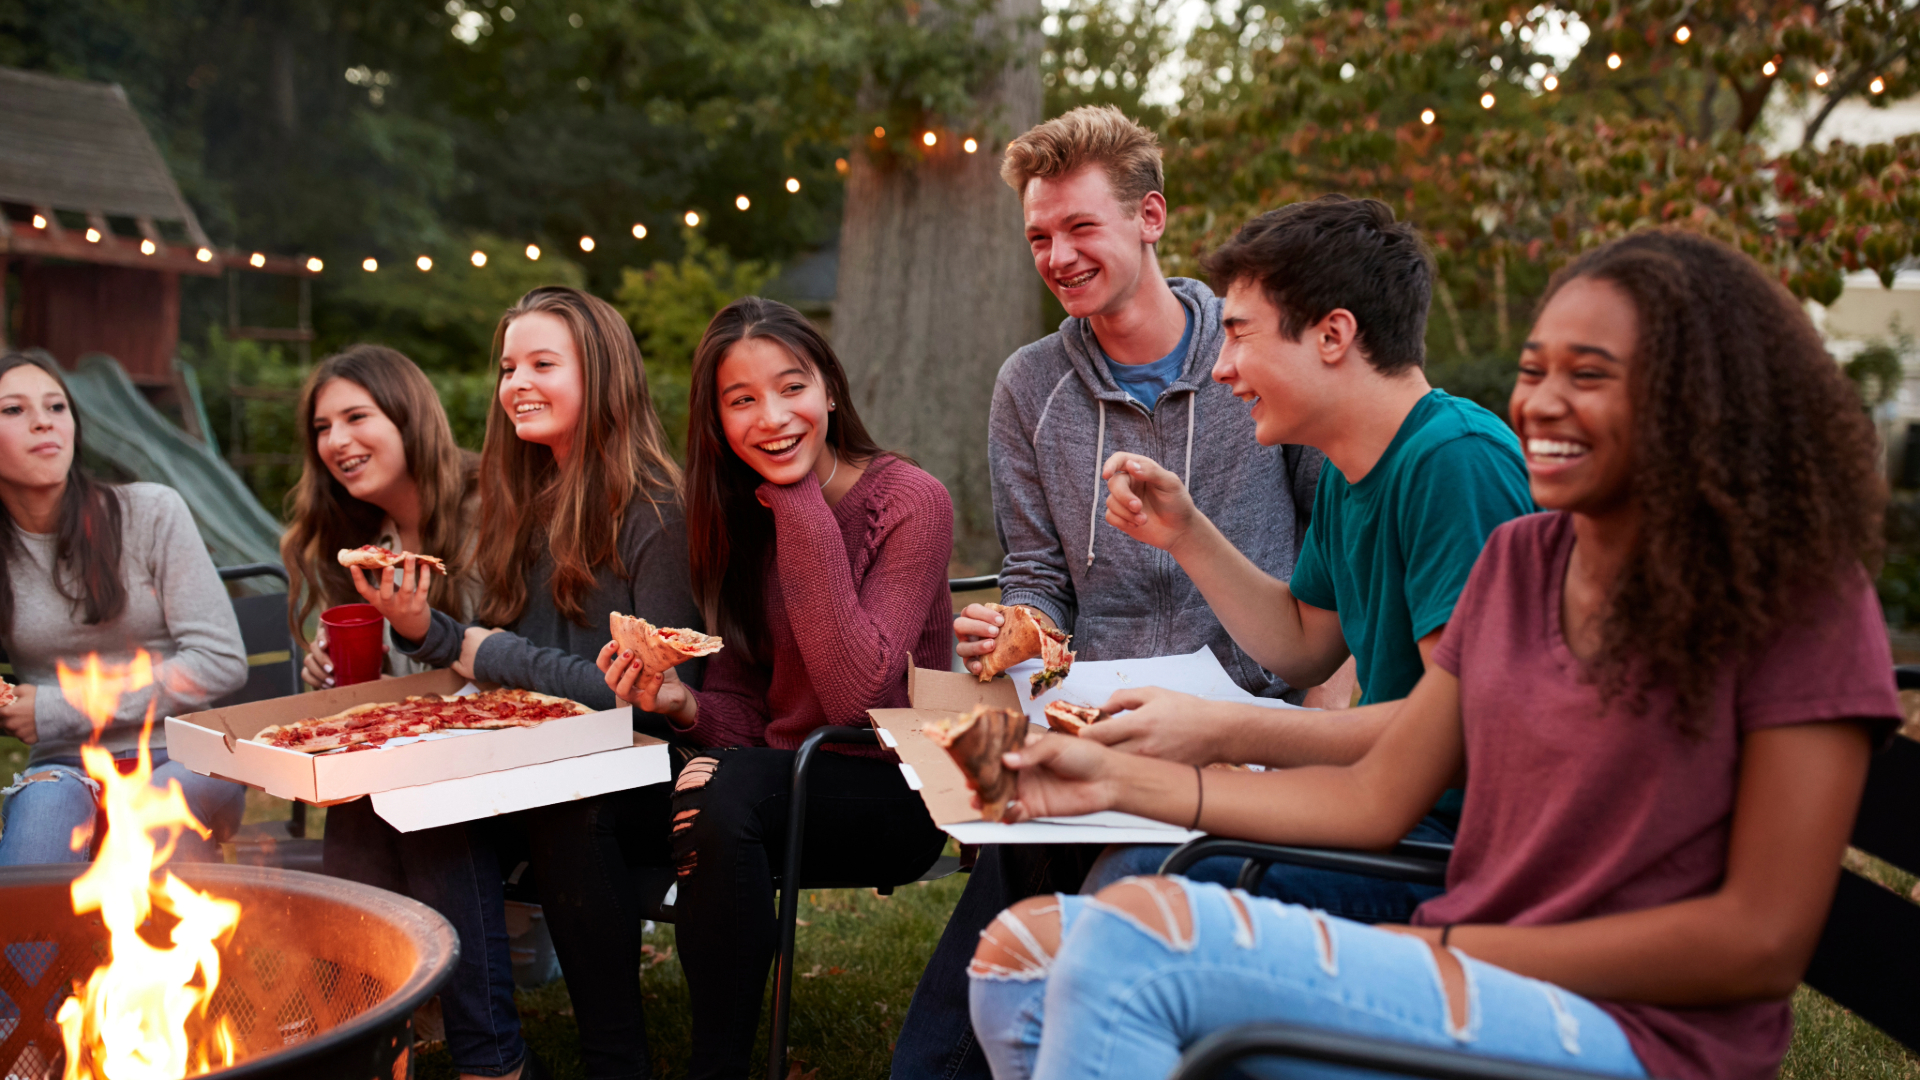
(91, 568)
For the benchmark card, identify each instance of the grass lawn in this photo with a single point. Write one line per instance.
(860, 955)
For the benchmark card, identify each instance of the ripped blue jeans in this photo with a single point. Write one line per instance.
(1121, 1000)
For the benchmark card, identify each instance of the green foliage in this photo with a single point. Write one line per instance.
(1877, 371)
(669, 305)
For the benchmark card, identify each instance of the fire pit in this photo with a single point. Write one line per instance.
(320, 978)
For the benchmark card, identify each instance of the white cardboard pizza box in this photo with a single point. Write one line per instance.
(930, 771)
(487, 794)
(217, 742)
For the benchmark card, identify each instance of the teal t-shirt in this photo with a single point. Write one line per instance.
(1391, 553)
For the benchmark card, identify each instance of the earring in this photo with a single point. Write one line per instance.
(830, 406)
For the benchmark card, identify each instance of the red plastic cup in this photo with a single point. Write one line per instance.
(355, 633)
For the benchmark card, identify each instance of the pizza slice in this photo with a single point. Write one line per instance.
(1065, 716)
(975, 740)
(659, 647)
(1022, 638)
(371, 557)
(7, 696)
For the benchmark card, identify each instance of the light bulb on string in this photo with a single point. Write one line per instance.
(1613, 61)
(1486, 100)
(1820, 78)
(793, 184)
(146, 247)
(840, 166)
(369, 265)
(1427, 116)
(1550, 83)
(1682, 35)
(533, 252)
(478, 258)
(256, 260)
(93, 236)
(879, 133)
(39, 221)
(314, 266)
(1877, 85)
(692, 219)
(425, 264)
(204, 255)
(586, 243)
(929, 138)
(741, 202)
(1769, 68)
(639, 231)
(970, 145)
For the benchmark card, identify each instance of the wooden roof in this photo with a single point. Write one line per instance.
(74, 145)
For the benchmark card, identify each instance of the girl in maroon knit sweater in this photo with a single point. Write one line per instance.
(822, 561)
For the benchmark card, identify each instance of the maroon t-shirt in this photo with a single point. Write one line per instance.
(1575, 811)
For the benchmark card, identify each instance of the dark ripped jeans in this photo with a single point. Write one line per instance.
(581, 854)
(864, 826)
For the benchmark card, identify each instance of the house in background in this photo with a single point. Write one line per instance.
(94, 237)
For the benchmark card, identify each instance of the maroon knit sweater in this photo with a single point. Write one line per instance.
(866, 583)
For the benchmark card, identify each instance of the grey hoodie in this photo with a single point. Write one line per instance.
(1057, 416)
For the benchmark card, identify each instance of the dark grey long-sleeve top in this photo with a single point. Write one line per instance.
(545, 652)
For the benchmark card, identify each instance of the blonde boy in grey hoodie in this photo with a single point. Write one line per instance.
(1129, 370)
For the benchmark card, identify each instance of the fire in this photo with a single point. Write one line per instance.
(143, 1014)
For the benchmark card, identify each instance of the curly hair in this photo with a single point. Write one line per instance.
(1755, 468)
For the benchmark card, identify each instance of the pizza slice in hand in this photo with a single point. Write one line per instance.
(659, 647)
(975, 740)
(1022, 638)
(1071, 719)
(7, 696)
(370, 557)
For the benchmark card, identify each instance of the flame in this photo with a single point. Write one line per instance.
(143, 1014)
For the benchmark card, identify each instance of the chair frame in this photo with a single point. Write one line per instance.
(1848, 965)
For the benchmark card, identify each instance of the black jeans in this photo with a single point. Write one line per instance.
(864, 827)
(581, 853)
(936, 1039)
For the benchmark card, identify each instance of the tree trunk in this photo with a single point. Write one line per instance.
(936, 290)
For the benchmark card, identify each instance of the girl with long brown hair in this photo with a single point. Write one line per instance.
(1662, 693)
(381, 468)
(579, 517)
(90, 569)
(822, 561)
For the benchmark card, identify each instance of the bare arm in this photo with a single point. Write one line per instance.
(1300, 643)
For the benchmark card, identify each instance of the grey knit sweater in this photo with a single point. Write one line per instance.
(1057, 416)
(177, 610)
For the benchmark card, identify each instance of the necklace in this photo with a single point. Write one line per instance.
(834, 472)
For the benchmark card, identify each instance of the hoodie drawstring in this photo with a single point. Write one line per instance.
(1099, 482)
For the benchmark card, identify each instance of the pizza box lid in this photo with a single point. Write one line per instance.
(217, 742)
(943, 788)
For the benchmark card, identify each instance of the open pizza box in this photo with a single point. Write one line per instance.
(422, 783)
(931, 772)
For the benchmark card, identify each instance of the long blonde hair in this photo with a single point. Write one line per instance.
(529, 503)
(323, 517)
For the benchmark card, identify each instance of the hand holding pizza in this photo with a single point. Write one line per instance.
(1147, 502)
(659, 692)
(978, 625)
(400, 595)
(1061, 776)
(1153, 721)
(16, 717)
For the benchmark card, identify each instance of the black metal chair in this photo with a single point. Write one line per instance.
(1866, 926)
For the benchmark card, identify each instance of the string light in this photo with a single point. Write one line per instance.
(146, 247)
(1486, 100)
(1820, 78)
(478, 258)
(741, 202)
(425, 264)
(314, 266)
(840, 166)
(879, 133)
(586, 243)
(39, 221)
(929, 138)
(256, 260)
(1427, 116)
(692, 219)
(369, 265)
(639, 231)
(1613, 61)
(1681, 35)
(1551, 83)
(793, 184)
(1768, 69)
(93, 236)
(204, 255)
(1877, 85)
(533, 252)
(970, 145)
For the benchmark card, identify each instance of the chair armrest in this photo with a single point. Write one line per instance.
(1906, 676)
(1214, 1054)
(258, 569)
(973, 584)
(1423, 863)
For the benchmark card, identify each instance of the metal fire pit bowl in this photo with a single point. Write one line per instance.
(320, 979)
